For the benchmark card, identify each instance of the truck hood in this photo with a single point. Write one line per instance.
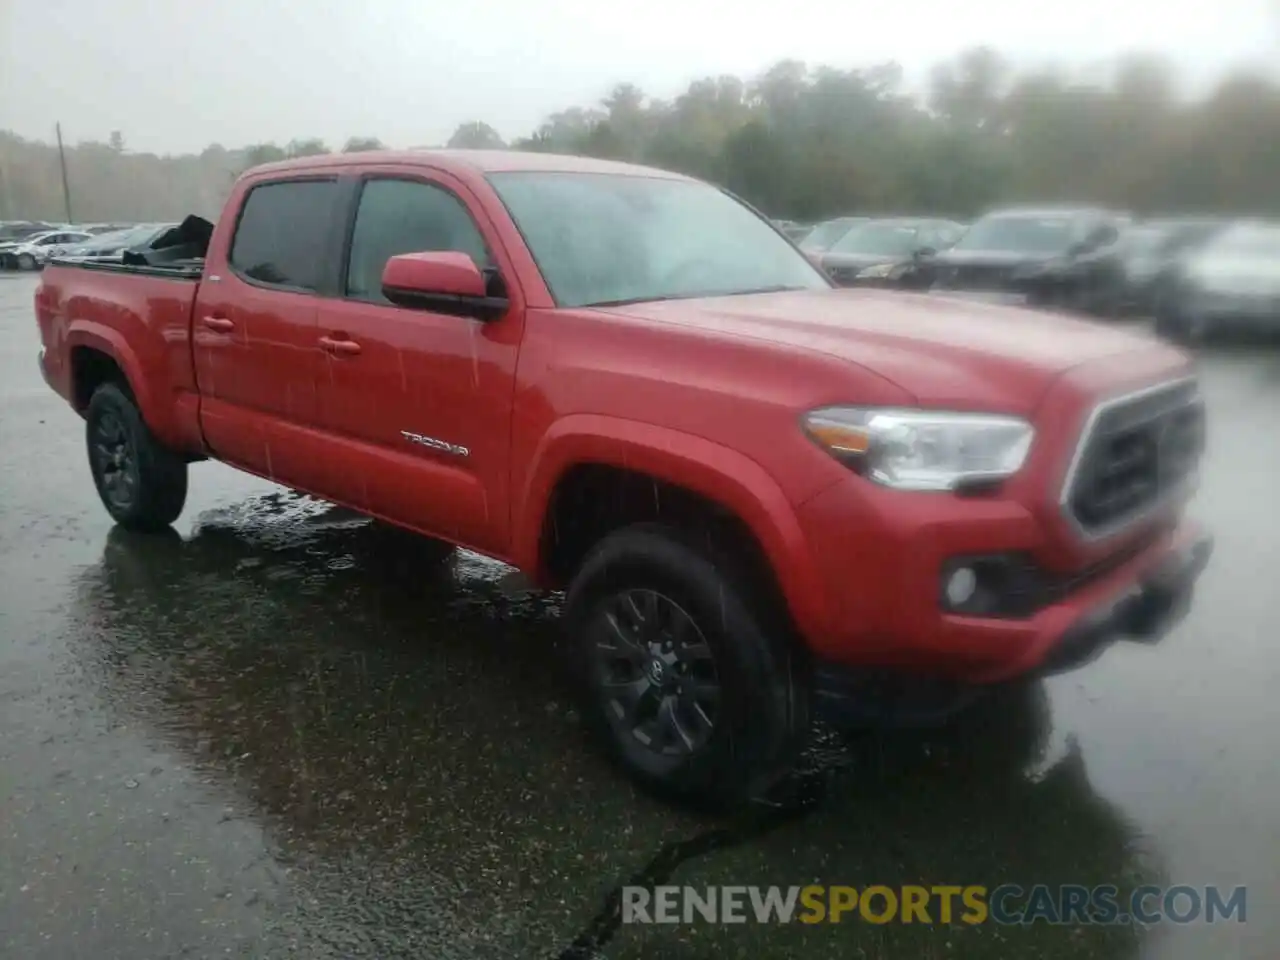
(944, 351)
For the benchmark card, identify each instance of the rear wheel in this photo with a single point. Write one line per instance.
(687, 679)
(142, 483)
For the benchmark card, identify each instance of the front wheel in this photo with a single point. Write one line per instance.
(687, 680)
(26, 262)
(142, 483)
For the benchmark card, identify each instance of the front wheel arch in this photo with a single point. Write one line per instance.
(733, 482)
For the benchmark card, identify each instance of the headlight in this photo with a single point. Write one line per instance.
(922, 449)
(882, 271)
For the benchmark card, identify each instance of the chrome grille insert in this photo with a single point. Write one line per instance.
(1135, 452)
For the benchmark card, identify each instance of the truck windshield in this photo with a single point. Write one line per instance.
(604, 239)
(1019, 234)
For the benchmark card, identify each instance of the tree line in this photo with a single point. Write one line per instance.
(805, 143)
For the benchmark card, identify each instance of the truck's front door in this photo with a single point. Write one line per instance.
(417, 405)
(254, 328)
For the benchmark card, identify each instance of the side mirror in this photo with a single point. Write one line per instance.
(444, 281)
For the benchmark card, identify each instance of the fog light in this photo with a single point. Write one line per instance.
(961, 586)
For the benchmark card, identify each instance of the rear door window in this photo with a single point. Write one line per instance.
(283, 235)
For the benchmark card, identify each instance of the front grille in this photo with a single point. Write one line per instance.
(1134, 451)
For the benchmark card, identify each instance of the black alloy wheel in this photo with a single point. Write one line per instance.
(142, 483)
(655, 672)
(114, 460)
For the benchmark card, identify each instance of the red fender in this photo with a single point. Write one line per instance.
(716, 472)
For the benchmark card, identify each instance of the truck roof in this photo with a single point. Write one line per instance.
(470, 161)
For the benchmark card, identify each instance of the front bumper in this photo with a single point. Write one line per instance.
(881, 556)
(1146, 611)
(1142, 601)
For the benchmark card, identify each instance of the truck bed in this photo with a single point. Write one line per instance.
(140, 317)
(178, 254)
(178, 270)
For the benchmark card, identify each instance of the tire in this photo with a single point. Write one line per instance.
(729, 673)
(26, 262)
(142, 483)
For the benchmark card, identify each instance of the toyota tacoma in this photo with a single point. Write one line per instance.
(764, 497)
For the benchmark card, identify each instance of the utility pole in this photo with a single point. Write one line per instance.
(4, 184)
(62, 160)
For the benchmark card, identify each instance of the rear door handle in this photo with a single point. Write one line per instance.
(221, 324)
(347, 348)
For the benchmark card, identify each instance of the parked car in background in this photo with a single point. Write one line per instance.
(1150, 251)
(893, 252)
(34, 252)
(13, 233)
(1230, 281)
(17, 229)
(111, 246)
(791, 228)
(1057, 255)
(100, 228)
(820, 237)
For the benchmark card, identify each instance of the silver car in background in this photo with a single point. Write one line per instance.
(1230, 282)
(111, 246)
(33, 252)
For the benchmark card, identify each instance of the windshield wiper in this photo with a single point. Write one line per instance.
(706, 294)
(776, 288)
(626, 301)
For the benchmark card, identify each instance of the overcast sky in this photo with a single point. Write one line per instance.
(176, 75)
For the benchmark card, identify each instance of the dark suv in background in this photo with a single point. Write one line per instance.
(890, 252)
(1049, 255)
(1152, 250)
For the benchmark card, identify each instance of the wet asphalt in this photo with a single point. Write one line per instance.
(277, 734)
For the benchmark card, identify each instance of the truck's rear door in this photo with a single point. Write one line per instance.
(255, 337)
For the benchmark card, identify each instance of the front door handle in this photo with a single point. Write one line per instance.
(347, 348)
(221, 324)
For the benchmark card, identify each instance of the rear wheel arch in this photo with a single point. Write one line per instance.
(105, 351)
(91, 367)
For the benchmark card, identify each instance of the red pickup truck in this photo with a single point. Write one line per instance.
(765, 497)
